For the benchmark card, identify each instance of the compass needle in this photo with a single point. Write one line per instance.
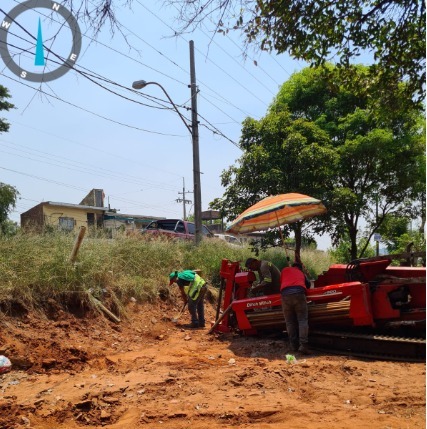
(39, 60)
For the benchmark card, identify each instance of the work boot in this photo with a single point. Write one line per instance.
(293, 347)
(303, 349)
(191, 326)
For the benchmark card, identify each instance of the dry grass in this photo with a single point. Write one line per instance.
(36, 268)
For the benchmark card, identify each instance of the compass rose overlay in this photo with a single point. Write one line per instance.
(10, 20)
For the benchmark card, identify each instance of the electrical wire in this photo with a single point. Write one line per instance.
(200, 81)
(94, 113)
(55, 182)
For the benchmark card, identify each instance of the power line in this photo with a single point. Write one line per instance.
(239, 64)
(212, 90)
(97, 149)
(97, 76)
(121, 53)
(80, 168)
(66, 185)
(93, 113)
(89, 74)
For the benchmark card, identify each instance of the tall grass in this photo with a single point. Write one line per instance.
(36, 268)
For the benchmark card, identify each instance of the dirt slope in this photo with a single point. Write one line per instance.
(147, 372)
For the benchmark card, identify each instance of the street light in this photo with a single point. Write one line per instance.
(139, 84)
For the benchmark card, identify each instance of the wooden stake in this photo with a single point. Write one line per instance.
(77, 244)
(102, 307)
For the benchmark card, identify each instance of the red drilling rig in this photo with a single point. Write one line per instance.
(365, 308)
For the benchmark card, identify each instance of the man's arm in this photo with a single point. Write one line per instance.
(264, 274)
(183, 295)
(264, 277)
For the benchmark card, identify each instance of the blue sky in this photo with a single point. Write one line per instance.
(70, 135)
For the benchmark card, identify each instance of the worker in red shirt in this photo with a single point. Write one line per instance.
(293, 286)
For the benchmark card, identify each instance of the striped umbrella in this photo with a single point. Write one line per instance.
(274, 211)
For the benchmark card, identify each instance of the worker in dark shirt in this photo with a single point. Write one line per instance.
(268, 277)
(293, 286)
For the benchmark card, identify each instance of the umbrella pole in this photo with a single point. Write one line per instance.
(283, 240)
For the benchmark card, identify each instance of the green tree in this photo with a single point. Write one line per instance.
(380, 150)
(322, 139)
(342, 253)
(8, 197)
(8, 194)
(4, 105)
(399, 236)
(9, 228)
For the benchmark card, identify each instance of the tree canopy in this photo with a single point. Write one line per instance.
(321, 139)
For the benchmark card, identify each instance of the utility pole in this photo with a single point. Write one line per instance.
(196, 160)
(183, 200)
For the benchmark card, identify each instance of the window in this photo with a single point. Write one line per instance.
(180, 227)
(66, 223)
(191, 228)
(90, 219)
(167, 225)
(205, 230)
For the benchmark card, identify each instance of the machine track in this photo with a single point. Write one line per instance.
(371, 346)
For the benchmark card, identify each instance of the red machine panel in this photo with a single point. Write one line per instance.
(368, 293)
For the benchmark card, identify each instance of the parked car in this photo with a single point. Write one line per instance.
(175, 228)
(230, 239)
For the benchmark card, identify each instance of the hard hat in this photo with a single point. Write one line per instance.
(187, 275)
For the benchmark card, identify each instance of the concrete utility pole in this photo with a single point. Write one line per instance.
(196, 160)
(183, 200)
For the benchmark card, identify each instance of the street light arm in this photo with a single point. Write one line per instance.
(142, 84)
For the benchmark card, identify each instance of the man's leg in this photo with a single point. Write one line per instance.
(201, 306)
(301, 310)
(192, 308)
(291, 321)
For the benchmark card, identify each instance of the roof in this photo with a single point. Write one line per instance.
(74, 206)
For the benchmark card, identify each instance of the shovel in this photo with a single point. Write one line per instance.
(176, 318)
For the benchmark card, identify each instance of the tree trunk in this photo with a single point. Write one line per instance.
(298, 240)
(353, 241)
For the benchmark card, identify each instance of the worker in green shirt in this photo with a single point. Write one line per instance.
(193, 289)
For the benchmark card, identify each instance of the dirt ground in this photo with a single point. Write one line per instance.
(147, 372)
